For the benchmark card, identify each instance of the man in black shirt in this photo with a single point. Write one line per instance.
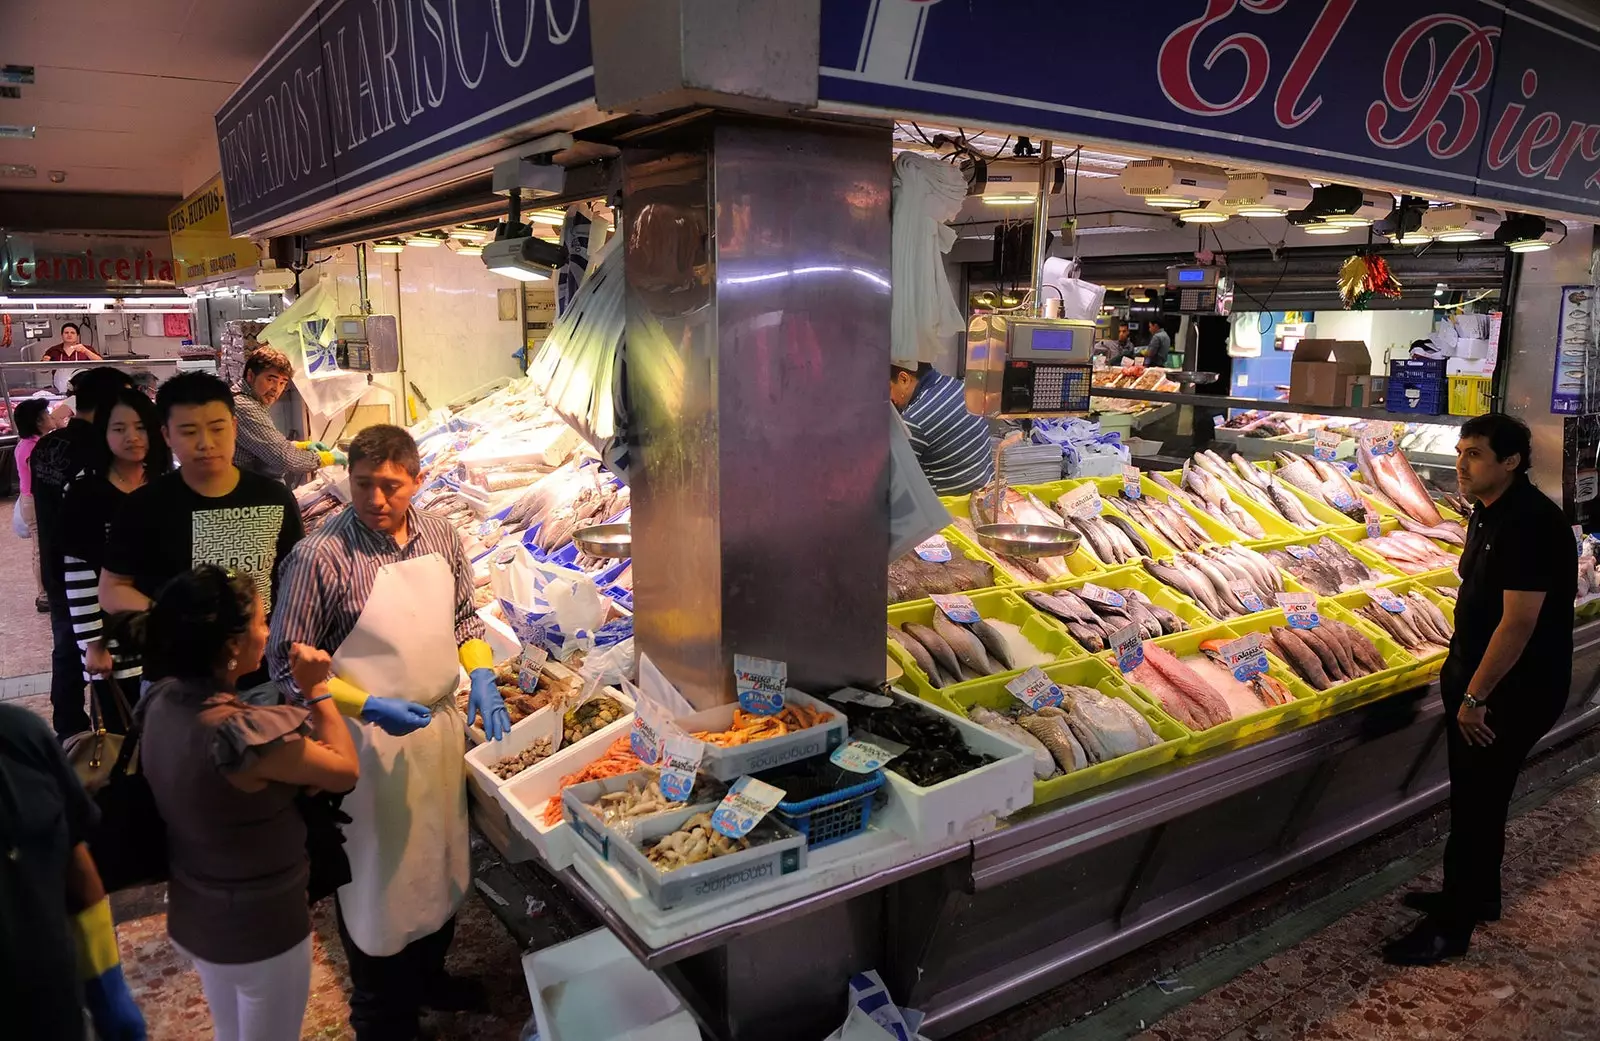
(59, 457)
(208, 512)
(1506, 679)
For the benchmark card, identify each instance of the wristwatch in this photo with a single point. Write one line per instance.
(1473, 703)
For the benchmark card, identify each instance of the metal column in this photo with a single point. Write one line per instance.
(758, 346)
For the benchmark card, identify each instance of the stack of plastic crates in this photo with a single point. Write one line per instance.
(1417, 386)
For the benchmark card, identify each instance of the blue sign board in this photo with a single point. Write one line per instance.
(1494, 99)
(360, 90)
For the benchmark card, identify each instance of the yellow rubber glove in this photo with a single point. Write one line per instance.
(302, 445)
(485, 703)
(349, 698)
(475, 654)
(105, 990)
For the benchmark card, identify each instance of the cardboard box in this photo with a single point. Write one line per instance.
(1320, 372)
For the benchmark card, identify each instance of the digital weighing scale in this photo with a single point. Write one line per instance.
(1024, 366)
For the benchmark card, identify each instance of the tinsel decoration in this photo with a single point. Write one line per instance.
(1364, 276)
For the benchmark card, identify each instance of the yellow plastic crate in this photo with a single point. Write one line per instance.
(1470, 395)
(1002, 605)
(959, 544)
(1136, 577)
(1083, 672)
(1079, 562)
(1273, 525)
(1340, 696)
(1374, 561)
(1423, 670)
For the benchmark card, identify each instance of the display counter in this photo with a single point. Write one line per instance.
(984, 924)
(1218, 401)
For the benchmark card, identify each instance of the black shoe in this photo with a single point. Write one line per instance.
(1431, 902)
(41, 604)
(457, 994)
(1428, 944)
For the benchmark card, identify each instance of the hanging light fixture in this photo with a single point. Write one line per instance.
(1212, 214)
(426, 239)
(1169, 184)
(1454, 222)
(1265, 195)
(469, 249)
(553, 218)
(1348, 207)
(1529, 233)
(1321, 228)
(388, 246)
(472, 232)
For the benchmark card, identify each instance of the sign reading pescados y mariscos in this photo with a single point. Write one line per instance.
(360, 90)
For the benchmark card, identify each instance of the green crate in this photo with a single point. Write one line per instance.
(959, 544)
(1135, 576)
(1274, 526)
(1364, 688)
(1002, 604)
(1085, 672)
(1420, 670)
(1238, 731)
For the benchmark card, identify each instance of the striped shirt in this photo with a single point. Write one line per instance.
(88, 502)
(260, 448)
(326, 580)
(951, 443)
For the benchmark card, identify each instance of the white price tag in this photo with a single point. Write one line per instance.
(1035, 690)
(1341, 499)
(1082, 501)
(1327, 445)
(1387, 600)
(1245, 657)
(1374, 523)
(1379, 438)
(680, 762)
(957, 608)
(1127, 644)
(760, 683)
(1247, 596)
(746, 803)
(1130, 482)
(1101, 595)
(1300, 609)
(650, 727)
(529, 667)
(864, 753)
(934, 549)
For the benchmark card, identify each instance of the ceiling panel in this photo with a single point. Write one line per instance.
(125, 93)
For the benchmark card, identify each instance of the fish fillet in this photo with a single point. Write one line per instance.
(1207, 707)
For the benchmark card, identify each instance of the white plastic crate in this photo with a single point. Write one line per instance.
(728, 764)
(593, 989)
(525, 795)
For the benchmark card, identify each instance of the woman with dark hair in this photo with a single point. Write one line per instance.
(32, 421)
(225, 775)
(128, 451)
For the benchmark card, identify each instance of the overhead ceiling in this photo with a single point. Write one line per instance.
(124, 93)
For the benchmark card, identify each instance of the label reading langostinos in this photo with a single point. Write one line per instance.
(1245, 657)
(1300, 609)
(934, 549)
(1327, 445)
(680, 761)
(760, 683)
(1127, 644)
(1082, 501)
(957, 608)
(1247, 596)
(865, 753)
(1130, 482)
(850, 695)
(1035, 690)
(742, 808)
(1387, 600)
(1101, 595)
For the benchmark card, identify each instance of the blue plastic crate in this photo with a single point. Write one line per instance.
(1417, 368)
(1423, 396)
(833, 817)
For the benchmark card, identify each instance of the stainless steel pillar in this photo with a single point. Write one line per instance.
(758, 350)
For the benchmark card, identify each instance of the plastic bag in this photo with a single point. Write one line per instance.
(1079, 298)
(19, 525)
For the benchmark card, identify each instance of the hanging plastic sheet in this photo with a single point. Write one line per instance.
(304, 332)
(927, 195)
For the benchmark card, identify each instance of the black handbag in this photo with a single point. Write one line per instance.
(330, 867)
(129, 842)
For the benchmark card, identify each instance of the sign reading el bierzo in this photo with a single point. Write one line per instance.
(360, 90)
(1464, 97)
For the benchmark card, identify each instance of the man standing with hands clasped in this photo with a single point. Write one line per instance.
(388, 590)
(1505, 680)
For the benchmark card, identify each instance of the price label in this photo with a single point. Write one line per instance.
(1035, 690)
(1379, 438)
(853, 696)
(1130, 483)
(1082, 501)
(1245, 657)
(650, 727)
(1374, 524)
(957, 608)
(530, 666)
(760, 683)
(1247, 596)
(1326, 447)
(1127, 644)
(1387, 600)
(680, 763)
(934, 549)
(1301, 552)
(1341, 499)
(865, 753)
(1300, 609)
(1100, 595)
(746, 803)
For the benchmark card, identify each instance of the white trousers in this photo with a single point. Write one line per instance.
(258, 1000)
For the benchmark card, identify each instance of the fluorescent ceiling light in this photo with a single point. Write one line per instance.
(426, 239)
(1265, 195)
(472, 232)
(1528, 233)
(1327, 229)
(1202, 215)
(469, 249)
(388, 246)
(554, 218)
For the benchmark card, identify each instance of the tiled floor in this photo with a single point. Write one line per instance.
(24, 632)
(1534, 975)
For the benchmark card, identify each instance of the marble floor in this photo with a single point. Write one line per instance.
(24, 632)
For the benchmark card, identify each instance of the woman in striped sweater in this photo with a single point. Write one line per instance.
(131, 452)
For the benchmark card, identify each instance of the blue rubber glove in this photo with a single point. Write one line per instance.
(395, 716)
(116, 1017)
(320, 446)
(487, 704)
(339, 458)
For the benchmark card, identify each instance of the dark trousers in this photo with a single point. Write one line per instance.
(386, 993)
(1481, 784)
(67, 713)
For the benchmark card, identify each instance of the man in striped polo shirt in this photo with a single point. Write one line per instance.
(951, 443)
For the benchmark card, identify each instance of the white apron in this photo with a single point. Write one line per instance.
(407, 841)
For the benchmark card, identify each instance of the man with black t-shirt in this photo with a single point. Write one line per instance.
(59, 457)
(208, 512)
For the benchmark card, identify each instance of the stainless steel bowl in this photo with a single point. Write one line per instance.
(605, 540)
(1028, 540)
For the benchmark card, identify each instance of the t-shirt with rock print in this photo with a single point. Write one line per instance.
(166, 528)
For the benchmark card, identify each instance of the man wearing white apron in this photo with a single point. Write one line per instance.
(388, 590)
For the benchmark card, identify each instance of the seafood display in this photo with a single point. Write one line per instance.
(514, 764)
(1109, 539)
(617, 760)
(1410, 552)
(748, 727)
(1086, 729)
(1201, 692)
(1092, 623)
(1326, 654)
(912, 578)
(1171, 522)
(951, 652)
(1421, 628)
(1391, 481)
(1324, 567)
(1226, 581)
(1015, 507)
(642, 797)
(935, 750)
(1261, 486)
(1324, 482)
(1214, 499)
(591, 716)
(696, 841)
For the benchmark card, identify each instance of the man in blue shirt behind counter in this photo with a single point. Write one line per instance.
(951, 443)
